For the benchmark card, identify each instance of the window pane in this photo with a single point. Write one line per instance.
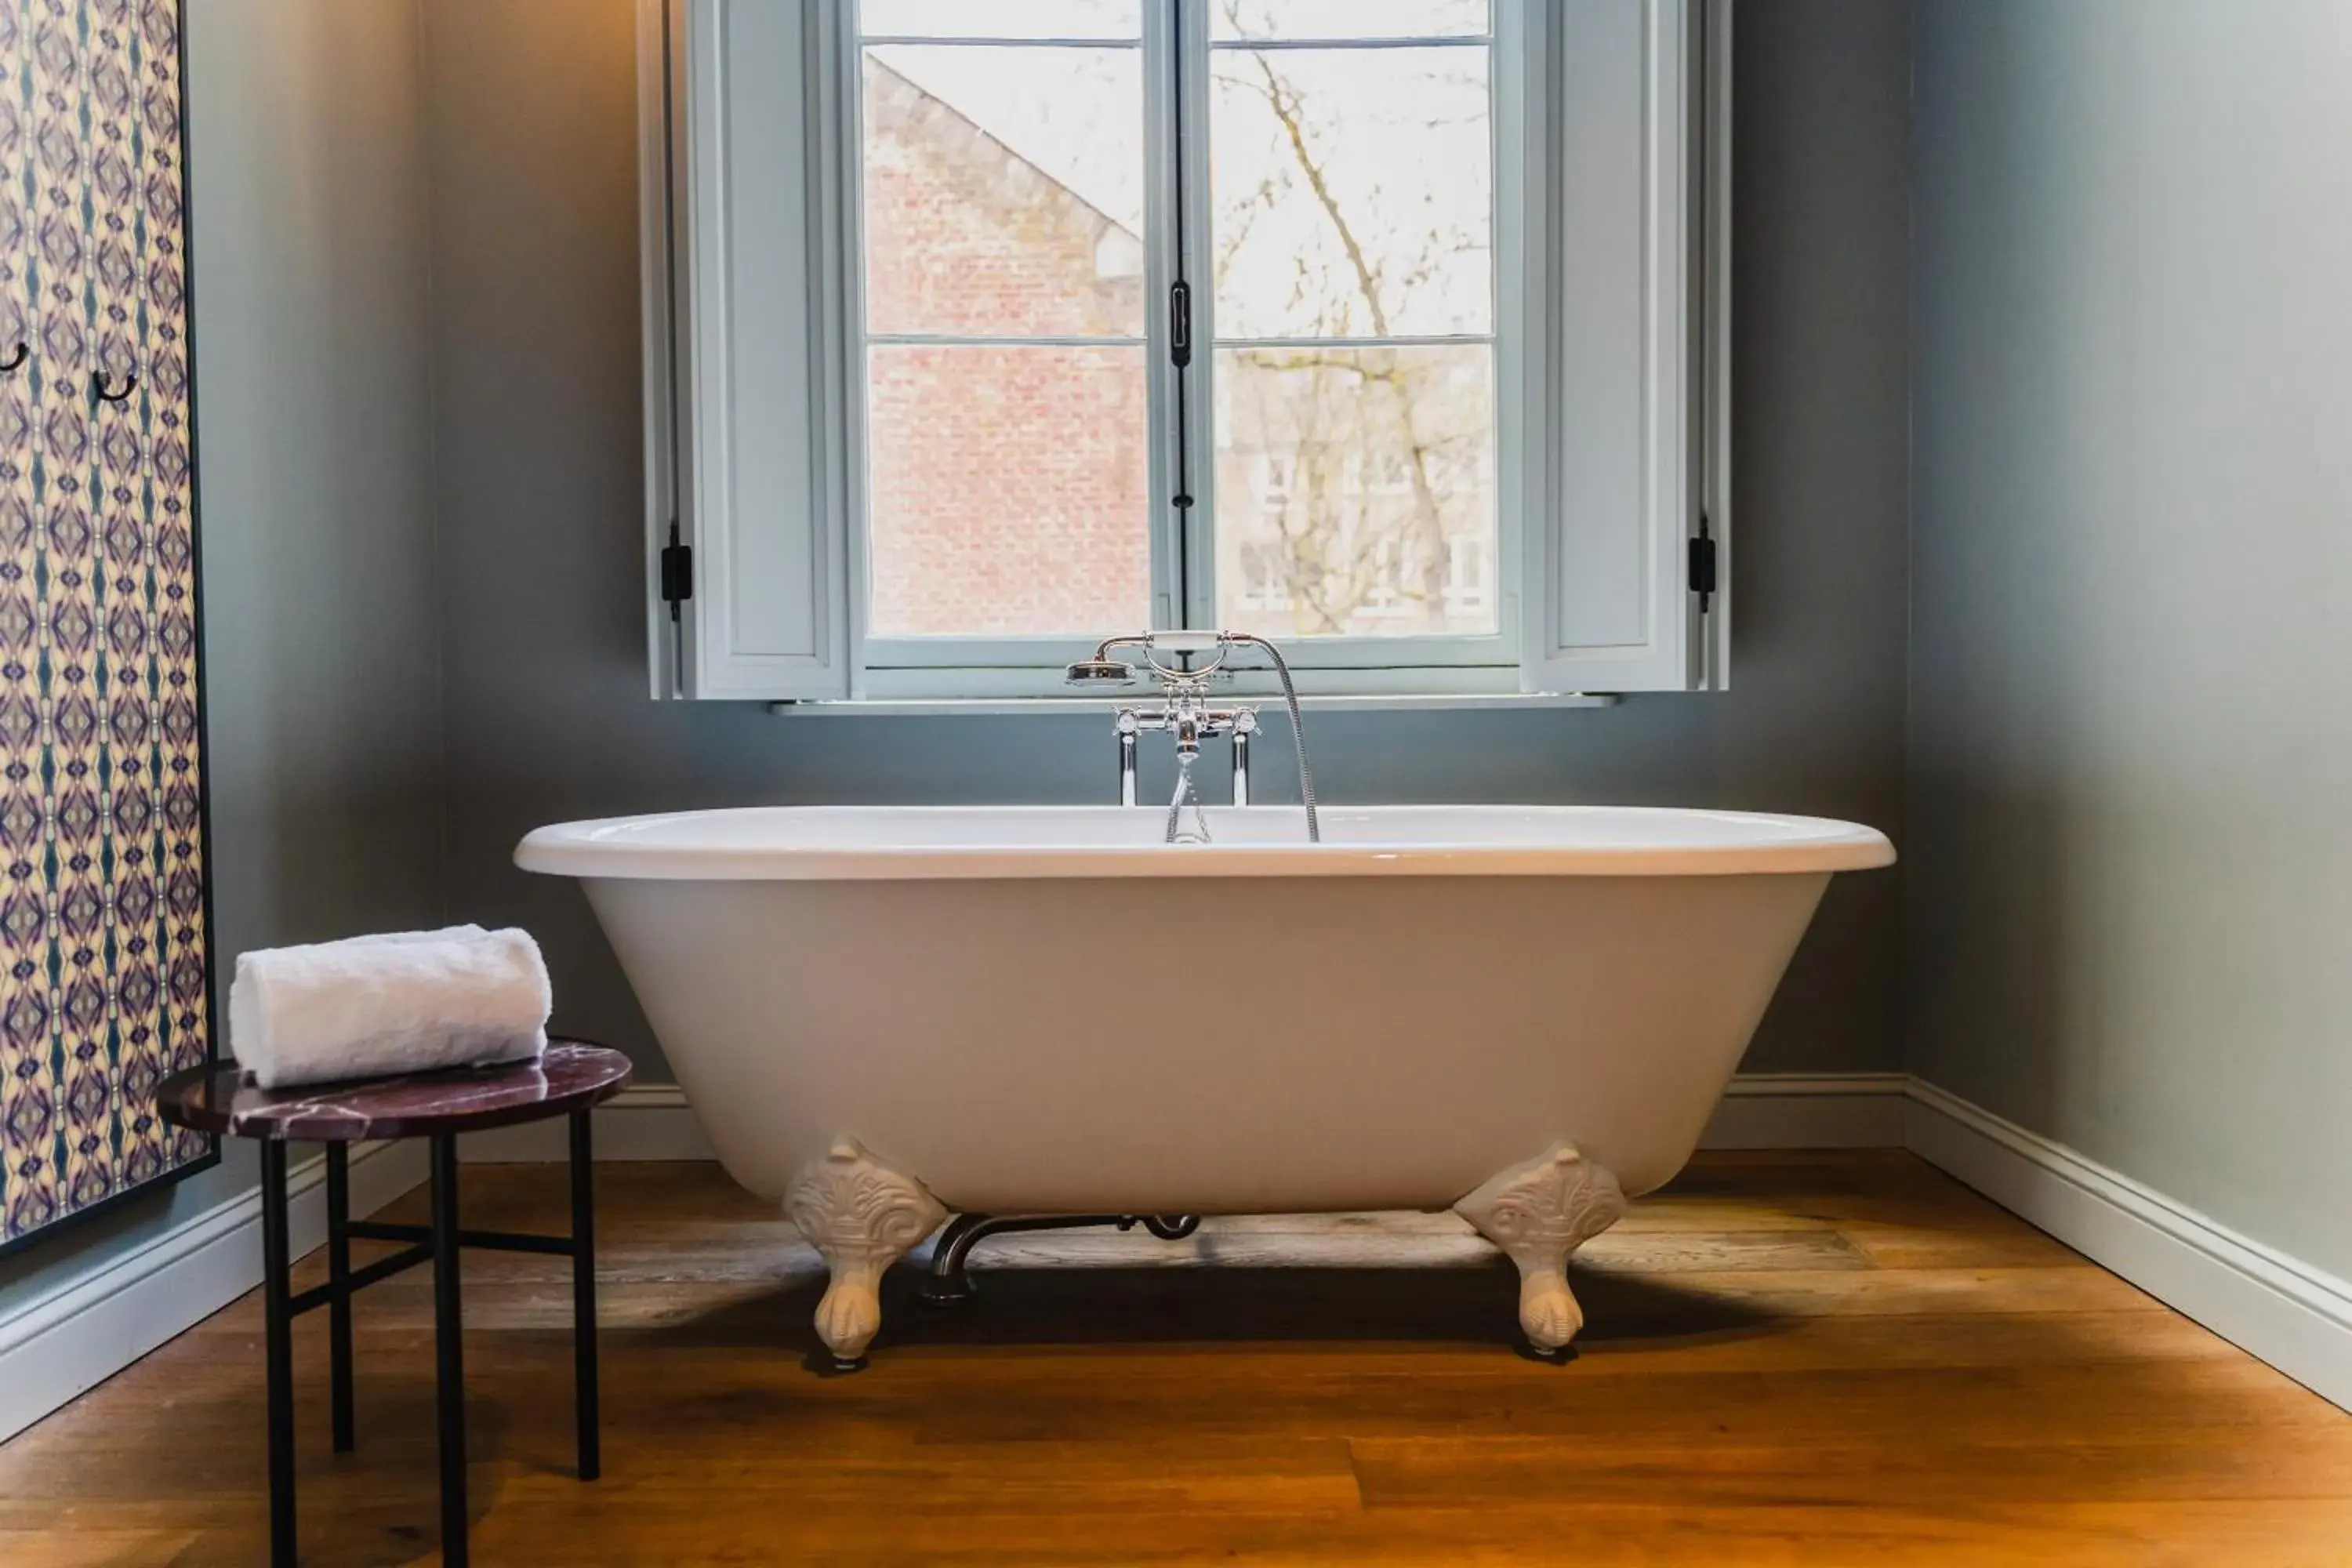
(1353, 192)
(1001, 18)
(1347, 18)
(1007, 490)
(1356, 490)
(1003, 190)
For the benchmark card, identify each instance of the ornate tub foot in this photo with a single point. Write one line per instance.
(862, 1215)
(1539, 1212)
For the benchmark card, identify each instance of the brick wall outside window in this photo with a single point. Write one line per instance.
(1007, 485)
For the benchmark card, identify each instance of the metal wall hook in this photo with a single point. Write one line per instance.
(130, 385)
(16, 361)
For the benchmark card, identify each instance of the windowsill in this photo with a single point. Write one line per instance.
(999, 707)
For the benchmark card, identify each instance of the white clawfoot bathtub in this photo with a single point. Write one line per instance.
(884, 1014)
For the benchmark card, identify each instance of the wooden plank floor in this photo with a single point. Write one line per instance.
(1811, 1359)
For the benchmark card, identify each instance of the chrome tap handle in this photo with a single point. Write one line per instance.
(1185, 713)
(1245, 726)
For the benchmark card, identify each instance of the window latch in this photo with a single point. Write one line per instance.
(1179, 323)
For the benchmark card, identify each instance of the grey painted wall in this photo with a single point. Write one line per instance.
(322, 668)
(2131, 739)
(530, 113)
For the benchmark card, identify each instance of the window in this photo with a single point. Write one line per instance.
(1003, 340)
(1352, 253)
(982, 329)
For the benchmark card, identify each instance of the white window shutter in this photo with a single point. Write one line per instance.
(755, 390)
(1624, 404)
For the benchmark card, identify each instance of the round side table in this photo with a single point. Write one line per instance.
(571, 1079)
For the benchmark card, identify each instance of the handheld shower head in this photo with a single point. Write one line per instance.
(1099, 671)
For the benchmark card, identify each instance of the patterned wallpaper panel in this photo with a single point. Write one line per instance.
(103, 918)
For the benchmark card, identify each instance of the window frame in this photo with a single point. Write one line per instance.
(1405, 663)
(997, 666)
(1683, 108)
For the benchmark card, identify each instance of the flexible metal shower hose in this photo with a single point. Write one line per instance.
(1297, 731)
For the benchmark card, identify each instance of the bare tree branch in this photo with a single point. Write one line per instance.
(1283, 100)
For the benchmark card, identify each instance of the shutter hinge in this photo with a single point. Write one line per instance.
(1702, 566)
(676, 571)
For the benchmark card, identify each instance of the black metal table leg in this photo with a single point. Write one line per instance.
(216, 1098)
(339, 1290)
(584, 1294)
(448, 1344)
(278, 1320)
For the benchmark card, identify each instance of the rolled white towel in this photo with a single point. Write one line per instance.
(373, 1005)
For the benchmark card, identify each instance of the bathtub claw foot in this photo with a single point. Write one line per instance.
(862, 1215)
(1539, 1212)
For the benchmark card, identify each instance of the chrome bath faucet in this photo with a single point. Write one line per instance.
(1185, 711)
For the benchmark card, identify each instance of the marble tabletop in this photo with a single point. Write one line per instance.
(572, 1076)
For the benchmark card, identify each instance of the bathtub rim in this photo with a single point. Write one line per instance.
(614, 848)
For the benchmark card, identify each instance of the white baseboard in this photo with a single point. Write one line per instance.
(98, 1322)
(2275, 1307)
(644, 1121)
(1809, 1111)
(1759, 1111)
